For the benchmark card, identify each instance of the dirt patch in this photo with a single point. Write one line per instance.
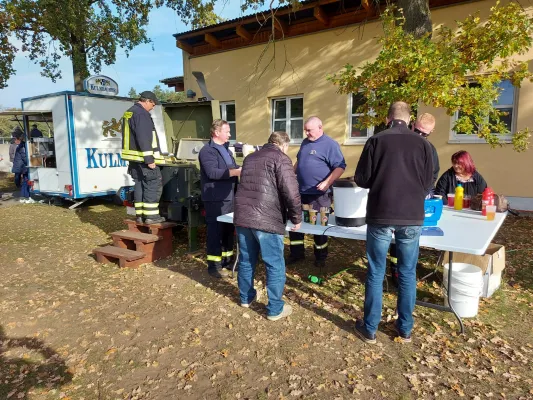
(74, 329)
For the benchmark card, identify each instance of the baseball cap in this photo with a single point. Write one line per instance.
(150, 96)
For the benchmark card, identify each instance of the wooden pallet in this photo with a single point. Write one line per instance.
(125, 257)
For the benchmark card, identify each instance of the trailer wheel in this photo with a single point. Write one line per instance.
(122, 195)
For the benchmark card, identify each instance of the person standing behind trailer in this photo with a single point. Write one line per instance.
(219, 174)
(140, 147)
(35, 132)
(319, 163)
(13, 145)
(20, 166)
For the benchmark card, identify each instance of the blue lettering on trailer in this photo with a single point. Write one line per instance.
(104, 160)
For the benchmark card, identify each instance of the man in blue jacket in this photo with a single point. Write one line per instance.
(219, 174)
(20, 165)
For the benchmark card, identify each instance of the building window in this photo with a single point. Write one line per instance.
(227, 112)
(287, 116)
(506, 103)
(358, 134)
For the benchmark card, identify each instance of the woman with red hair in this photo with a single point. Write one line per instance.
(463, 171)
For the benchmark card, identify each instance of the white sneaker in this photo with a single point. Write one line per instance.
(256, 298)
(287, 310)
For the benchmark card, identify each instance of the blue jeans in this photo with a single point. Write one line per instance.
(251, 242)
(378, 239)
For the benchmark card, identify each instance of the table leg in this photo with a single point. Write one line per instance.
(442, 307)
(236, 257)
(450, 293)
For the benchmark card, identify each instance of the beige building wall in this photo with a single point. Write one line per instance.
(300, 67)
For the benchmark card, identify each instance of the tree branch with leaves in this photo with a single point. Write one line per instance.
(441, 72)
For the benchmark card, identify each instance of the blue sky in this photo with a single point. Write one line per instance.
(142, 69)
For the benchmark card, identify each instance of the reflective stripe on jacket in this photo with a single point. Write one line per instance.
(139, 138)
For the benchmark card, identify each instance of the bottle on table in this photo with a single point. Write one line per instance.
(487, 199)
(458, 199)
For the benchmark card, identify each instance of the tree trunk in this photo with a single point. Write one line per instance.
(417, 17)
(79, 63)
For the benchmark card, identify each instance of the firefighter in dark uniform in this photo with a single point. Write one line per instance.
(319, 163)
(219, 176)
(140, 147)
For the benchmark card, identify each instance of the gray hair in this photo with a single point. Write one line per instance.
(399, 110)
(279, 138)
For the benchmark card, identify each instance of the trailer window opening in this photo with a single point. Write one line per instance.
(40, 136)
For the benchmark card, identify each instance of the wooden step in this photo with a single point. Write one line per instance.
(161, 249)
(136, 236)
(162, 225)
(125, 257)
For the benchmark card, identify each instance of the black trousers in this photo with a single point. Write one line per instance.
(220, 236)
(148, 189)
(321, 241)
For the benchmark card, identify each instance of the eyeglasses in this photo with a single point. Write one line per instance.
(424, 134)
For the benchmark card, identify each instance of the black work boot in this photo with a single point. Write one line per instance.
(294, 260)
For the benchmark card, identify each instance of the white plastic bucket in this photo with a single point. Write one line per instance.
(467, 284)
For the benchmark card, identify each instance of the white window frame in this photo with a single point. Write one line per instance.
(357, 140)
(473, 138)
(223, 115)
(288, 119)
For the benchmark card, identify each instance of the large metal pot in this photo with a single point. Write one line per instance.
(350, 203)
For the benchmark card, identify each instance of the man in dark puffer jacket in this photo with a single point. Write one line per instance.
(267, 196)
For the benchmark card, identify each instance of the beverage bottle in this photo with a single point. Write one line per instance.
(458, 200)
(487, 200)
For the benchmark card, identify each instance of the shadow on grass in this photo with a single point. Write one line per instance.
(21, 375)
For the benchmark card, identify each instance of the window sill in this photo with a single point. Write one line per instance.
(296, 143)
(476, 141)
(355, 142)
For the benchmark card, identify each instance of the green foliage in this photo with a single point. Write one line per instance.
(89, 32)
(164, 95)
(133, 93)
(168, 95)
(439, 72)
(6, 125)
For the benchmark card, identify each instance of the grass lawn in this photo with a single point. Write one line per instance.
(71, 328)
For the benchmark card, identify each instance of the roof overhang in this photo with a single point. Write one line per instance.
(310, 17)
(21, 113)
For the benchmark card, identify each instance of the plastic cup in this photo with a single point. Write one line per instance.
(491, 213)
(312, 217)
(466, 202)
(324, 218)
(451, 198)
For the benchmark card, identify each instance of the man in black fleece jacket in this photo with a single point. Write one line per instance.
(397, 166)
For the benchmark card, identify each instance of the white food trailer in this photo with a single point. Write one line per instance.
(81, 158)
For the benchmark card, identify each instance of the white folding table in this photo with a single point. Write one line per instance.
(465, 231)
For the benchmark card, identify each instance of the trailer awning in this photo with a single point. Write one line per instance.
(33, 116)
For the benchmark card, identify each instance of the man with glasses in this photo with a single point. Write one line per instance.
(140, 147)
(424, 126)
